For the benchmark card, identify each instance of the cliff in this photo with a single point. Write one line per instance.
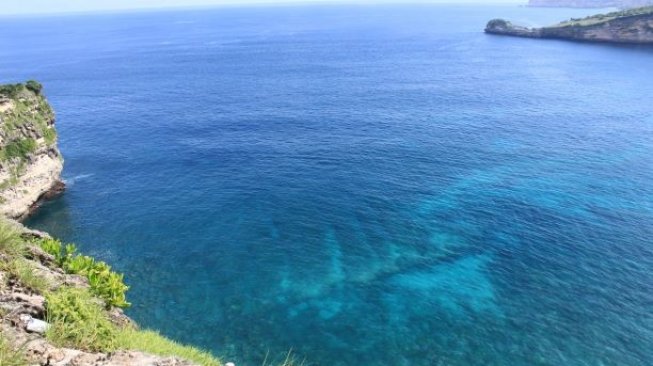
(623, 4)
(59, 307)
(629, 26)
(30, 163)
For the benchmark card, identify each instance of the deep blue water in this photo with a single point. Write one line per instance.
(365, 185)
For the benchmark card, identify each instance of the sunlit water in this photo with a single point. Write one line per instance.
(365, 185)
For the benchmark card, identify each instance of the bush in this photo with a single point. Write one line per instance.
(77, 320)
(105, 283)
(11, 90)
(34, 86)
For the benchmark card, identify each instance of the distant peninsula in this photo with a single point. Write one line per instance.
(622, 4)
(626, 26)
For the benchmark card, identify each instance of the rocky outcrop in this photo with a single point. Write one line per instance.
(633, 26)
(623, 4)
(30, 163)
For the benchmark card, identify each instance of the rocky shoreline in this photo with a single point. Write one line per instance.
(30, 172)
(633, 26)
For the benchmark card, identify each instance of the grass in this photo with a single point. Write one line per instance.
(77, 320)
(289, 360)
(152, 342)
(23, 272)
(11, 244)
(10, 356)
(20, 148)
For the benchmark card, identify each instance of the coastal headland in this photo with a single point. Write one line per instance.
(633, 26)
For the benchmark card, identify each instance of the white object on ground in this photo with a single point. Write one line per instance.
(34, 325)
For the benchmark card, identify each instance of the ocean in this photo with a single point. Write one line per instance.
(360, 185)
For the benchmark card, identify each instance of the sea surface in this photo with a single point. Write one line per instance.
(362, 185)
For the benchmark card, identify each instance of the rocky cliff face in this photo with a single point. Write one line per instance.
(30, 163)
(623, 4)
(635, 26)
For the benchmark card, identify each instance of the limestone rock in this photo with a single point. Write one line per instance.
(31, 165)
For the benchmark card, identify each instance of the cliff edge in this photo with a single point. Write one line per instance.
(633, 26)
(30, 162)
(57, 306)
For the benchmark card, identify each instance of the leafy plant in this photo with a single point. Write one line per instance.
(105, 283)
(80, 264)
(77, 320)
(52, 247)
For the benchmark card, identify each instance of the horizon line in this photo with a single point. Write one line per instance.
(258, 3)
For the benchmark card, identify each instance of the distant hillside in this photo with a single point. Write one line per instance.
(623, 4)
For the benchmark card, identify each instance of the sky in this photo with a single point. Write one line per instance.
(66, 6)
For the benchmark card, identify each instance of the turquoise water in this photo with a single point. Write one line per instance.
(365, 185)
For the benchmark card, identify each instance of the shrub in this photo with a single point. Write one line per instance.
(11, 90)
(77, 320)
(34, 86)
(105, 283)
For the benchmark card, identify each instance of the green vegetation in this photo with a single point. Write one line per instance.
(50, 135)
(77, 320)
(601, 18)
(78, 317)
(289, 360)
(23, 272)
(34, 86)
(152, 342)
(10, 356)
(11, 244)
(105, 283)
(11, 90)
(18, 90)
(18, 149)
